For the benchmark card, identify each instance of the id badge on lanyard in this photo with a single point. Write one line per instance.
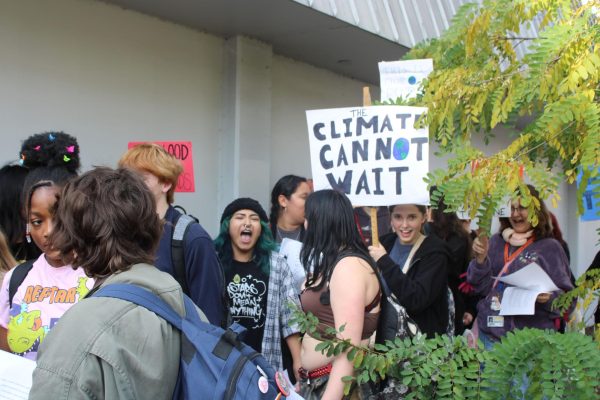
(495, 321)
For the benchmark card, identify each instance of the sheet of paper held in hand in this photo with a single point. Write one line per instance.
(15, 376)
(290, 249)
(527, 283)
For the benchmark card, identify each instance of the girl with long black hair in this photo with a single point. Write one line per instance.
(341, 290)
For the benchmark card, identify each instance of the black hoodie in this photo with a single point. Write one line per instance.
(423, 290)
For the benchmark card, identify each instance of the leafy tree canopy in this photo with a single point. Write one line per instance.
(479, 82)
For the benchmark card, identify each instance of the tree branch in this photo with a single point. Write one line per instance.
(515, 38)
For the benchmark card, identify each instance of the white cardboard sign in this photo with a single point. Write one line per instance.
(403, 78)
(373, 154)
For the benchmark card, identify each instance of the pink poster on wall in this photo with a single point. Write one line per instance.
(183, 152)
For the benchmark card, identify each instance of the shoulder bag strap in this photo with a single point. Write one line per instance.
(414, 249)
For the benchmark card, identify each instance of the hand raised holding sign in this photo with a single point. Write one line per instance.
(377, 251)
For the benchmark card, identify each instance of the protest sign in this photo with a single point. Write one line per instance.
(183, 152)
(503, 209)
(591, 205)
(373, 154)
(402, 78)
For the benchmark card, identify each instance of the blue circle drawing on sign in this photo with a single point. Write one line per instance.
(412, 80)
(401, 149)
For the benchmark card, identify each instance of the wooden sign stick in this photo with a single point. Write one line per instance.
(374, 230)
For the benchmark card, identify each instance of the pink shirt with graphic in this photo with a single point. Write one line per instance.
(43, 297)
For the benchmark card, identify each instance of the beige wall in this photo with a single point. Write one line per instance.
(110, 76)
(298, 87)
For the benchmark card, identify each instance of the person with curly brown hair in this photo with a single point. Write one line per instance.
(107, 348)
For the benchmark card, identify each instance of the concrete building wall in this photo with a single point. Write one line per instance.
(110, 76)
(298, 87)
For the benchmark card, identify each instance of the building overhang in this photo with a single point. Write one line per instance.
(292, 29)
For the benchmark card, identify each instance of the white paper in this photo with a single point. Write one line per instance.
(527, 283)
(290, 249)
(15, 376)
(531, 277)
(517, 301)
(403, 78)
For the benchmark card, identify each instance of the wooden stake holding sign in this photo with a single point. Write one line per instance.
(374, 228)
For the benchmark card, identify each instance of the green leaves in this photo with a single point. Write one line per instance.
(479, 83)
(558, 366)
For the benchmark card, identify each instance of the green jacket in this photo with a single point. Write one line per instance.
(105, 348)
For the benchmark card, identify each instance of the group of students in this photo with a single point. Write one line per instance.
(119, 225)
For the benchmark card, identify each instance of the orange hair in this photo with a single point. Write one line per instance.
(153, 158)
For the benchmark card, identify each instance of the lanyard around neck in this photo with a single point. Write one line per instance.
(508, 259)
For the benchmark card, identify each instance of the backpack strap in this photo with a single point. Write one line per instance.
(144, 298)
(363, 257)
(147, 299)
(384, 290)
(17, 278)
(180, 229)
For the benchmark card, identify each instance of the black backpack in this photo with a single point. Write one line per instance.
(394, 321)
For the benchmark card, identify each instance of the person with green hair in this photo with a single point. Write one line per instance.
(258, 281)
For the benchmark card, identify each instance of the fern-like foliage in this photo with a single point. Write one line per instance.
(557, 366)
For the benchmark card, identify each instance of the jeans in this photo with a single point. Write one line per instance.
(487, 341)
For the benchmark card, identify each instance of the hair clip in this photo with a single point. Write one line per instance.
(70, 149)
(66, 158)
(51, 137)
(37, 148)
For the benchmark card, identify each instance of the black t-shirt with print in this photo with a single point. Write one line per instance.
(247, 288)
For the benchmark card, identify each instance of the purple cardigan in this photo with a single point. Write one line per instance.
(548, 253)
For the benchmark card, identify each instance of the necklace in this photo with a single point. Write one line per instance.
(281, 234)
